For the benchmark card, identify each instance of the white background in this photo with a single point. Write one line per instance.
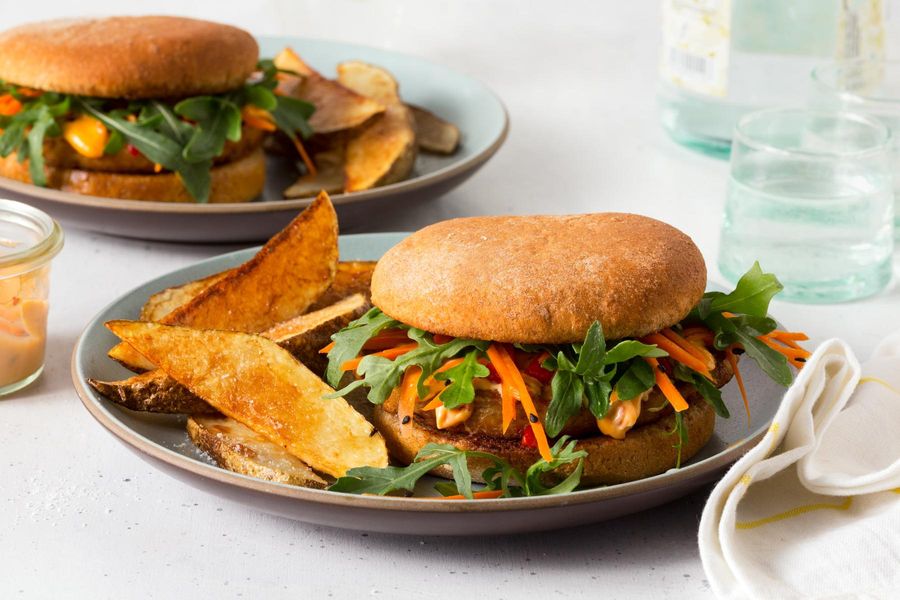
(80, 516)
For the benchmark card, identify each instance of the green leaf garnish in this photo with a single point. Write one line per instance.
(498, 476)
(751, 295)
(461, 389)
(349, 341)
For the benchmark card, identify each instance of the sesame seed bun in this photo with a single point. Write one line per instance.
(646, 450)
(241, 180)
(541, 279)
(128, 57)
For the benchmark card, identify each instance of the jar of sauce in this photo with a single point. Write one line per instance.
(29, 239)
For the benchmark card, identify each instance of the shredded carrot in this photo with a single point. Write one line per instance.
(30, 93)
(676, 352)
(310, 166)
(795, 356)
(444, 367)
(409, 393)
(9, 105)
(258, 118)
(435, 402)
(507, 399)
(509, 374)
(386, 339)
(732, 360)
(327, 348)
(391, 353)
(694, 350)
(668, 388)
(788, 335)
(482, 495)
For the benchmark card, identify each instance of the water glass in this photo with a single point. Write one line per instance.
(810, 197)
(870, 87)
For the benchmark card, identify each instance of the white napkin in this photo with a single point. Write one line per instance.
(814, 509)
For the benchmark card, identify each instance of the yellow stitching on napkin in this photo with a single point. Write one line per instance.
(879, 381)
(896, 490)
(773, 429)
(795, 512)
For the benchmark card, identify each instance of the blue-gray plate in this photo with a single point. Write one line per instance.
(161, 440)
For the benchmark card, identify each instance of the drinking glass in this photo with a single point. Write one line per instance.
(871, 87)
(29, 239)
(810, 197)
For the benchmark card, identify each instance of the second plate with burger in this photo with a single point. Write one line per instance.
(105, 142)
(575, 382)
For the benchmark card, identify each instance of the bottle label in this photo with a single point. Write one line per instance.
(696, 44)
(861, 29)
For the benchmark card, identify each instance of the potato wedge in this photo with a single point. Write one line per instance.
(383, 151)
(153, 391)
(303, 337)
(433, 134)
(252, 380)
(329, 177)
(285, 277)
(163, 302)
(352, 277)
(236, 447)
(337, 108)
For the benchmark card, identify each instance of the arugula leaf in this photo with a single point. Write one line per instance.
(628, 349)
(262, 97)
(461, 390)
(12, 137)
(680, 431)
(217, 120)
(709, 392)
(348, 342)
(563, 453)
(115, 143)
(591, 353)
(637, 379)
(568, 394)
(727, 332)
(751, 295)
(291, 116)
(429, 356)
(597, 393)
(39, 127)
(499, 475)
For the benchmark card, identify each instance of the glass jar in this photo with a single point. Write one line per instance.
(29, 239)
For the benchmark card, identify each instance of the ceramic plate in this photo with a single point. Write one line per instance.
(467, 103)
(162, 441)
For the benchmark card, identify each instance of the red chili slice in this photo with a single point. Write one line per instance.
(528, 439)
(534, 369)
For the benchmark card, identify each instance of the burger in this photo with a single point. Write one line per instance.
(141, 108)
(503, 335)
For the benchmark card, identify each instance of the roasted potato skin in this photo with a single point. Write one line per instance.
(239, 449)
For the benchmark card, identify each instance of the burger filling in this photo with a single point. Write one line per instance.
(186, 136)
(540, 392)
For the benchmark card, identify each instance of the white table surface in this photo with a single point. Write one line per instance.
(80, 516)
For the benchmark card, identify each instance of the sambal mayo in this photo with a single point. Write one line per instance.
(29, 239)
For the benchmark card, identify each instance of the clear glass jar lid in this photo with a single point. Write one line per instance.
(28, 237)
